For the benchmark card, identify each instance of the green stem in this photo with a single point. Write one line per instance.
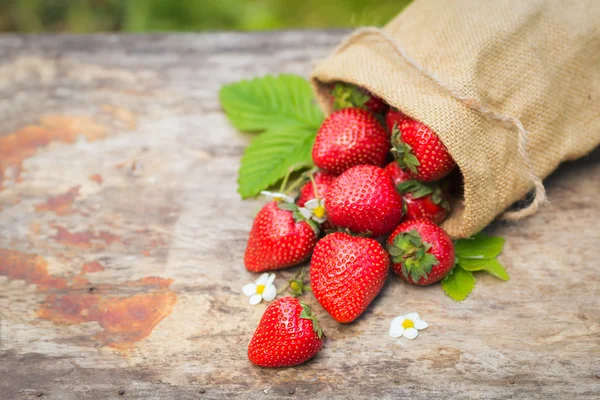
(285, 181)
(299, 274)
(314, 185)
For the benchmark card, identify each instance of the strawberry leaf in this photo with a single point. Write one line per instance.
(271, 155)
(479, 246)
(459, 283)
(492, 266)
(283, 108)
(270, 102)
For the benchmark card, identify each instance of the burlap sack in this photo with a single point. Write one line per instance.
(512, 87)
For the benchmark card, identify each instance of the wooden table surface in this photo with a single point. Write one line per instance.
(122, 239)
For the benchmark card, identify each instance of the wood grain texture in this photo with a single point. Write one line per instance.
(122, 241)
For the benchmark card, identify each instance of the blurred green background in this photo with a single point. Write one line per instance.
(82, 16)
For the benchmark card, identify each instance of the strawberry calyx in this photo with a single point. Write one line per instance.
(419, 189)
(307, 313)
(410, 251)
(402, 152)
(348, 96)
(297, 215)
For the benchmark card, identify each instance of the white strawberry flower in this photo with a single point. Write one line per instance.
(277, 196)
(407, 325)
(314, 209)
(261, 289)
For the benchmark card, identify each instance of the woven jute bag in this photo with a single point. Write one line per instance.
(511, 87)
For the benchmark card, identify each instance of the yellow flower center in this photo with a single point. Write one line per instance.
(408, 324)
(319, 211)
(294, 286)
(260, 289)
(277, 198)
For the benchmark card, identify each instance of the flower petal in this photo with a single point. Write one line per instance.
(249, 289)
(255, 299)
(267, 193)
(288, 199)
(311, 204)
(397, 323)
(270, 279)
(411, 333)
(262, 279)
(396, 331)
(269, 293)
(413, 316)
(319, 220)
(420, 324)
(306, 213)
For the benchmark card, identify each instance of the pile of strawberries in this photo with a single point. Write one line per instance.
(358, 199)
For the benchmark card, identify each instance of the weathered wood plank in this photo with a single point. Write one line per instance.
(122, 240)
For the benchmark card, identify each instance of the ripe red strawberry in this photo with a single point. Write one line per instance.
(350, 137)
(364, 200)
(422, 200)
(394, 118)
(419, 150)
(288, 334)
(422, 253)
(323, 180)
(346, 274)
(346, 95)
(397, 174)
(278, 239)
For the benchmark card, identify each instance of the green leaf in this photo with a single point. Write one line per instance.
(459, 283)
(271, 102)
(271, 155)
(479, 246)
(284, 109)
(491, 266)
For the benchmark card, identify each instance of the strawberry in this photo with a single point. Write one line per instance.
(279, 238)
(397, 174)
(394, 118)
(349, 96)
(422, 253)
(420, 151)
(350, 137)
(307, 192)
(346, 274)
(422, 200)
(364, 200)
(288, 334)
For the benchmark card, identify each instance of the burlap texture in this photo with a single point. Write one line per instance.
(535, 60)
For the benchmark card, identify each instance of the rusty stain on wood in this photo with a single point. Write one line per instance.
(83, 239)
(125, 320)
(61, 204)
(96, 178)
(93, 266)
(24, 143)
